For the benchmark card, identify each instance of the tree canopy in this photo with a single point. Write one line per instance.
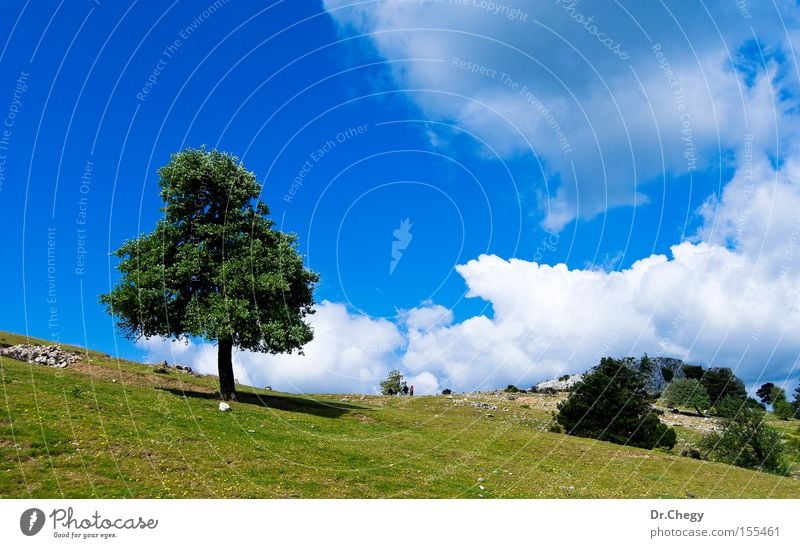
(720, 382)
(214, 267)
(610, 403)
(687, 393)
(392, 384)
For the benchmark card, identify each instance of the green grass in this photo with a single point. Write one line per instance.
(120, 429)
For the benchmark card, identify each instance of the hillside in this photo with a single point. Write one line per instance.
(108, 428)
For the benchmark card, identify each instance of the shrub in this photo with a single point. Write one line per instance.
(611, 404)
(748, 442)
(692, 371)
(645, 365)
(691, 452)
(667, 373)
(563, 378)
(511, 388)
(555, 428)
(446, 392)
(392, 383)
(783, 410)
(687, 393)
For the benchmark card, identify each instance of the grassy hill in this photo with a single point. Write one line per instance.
(109, 428)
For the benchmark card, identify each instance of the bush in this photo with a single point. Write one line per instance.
(748, 442)
(691, 452)
(563, 378)
(645, 365)
(446, 392)
(692, 371)
(392, 384)
(667, 373)
(730, 406)
(611, 404)
(783, 410)
(511, 388)
(687, 393)
(555, 428)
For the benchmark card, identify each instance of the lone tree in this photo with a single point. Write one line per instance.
(687, 393)
(214, 267)
(610, 403)
(764, 392)
(392, 384)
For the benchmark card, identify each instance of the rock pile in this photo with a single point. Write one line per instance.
(51, 355)
(179, 368)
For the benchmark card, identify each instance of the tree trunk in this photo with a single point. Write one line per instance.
(227, 388)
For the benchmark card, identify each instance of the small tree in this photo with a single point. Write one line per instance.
(611, 404)
(764, 392)
(777, 394)
(783, 409)
(748, 442)
(214, 267)
(645, 364)
(720, 382)
(392, 384)
(687, 393)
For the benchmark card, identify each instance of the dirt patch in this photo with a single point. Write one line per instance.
(126, 378)
(695, 422)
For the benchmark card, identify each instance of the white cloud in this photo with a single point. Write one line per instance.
(731, 298)
(349, 353)
(624, 122)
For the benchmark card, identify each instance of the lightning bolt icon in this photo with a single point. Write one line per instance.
(402, 237)
(34, 517)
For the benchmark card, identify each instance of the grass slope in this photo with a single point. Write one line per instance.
(109, 428)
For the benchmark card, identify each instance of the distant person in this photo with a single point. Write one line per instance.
(411, 390)
(405, 389)
(391, 391)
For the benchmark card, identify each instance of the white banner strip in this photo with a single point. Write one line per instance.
(389, 523)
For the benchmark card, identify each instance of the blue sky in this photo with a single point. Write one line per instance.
(513, 137)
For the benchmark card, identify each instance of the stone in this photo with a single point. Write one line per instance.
(51, 355)
(224, 406)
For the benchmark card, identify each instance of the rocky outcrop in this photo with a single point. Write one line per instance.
(658, 372)
(51, 355)
(558, 385)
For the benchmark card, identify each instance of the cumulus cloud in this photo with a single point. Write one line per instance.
(349, 353)
(547, 82)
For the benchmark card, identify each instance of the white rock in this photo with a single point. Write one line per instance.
(558, 385)
(224, 406)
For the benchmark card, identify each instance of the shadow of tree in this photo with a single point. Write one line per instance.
(284, 402)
